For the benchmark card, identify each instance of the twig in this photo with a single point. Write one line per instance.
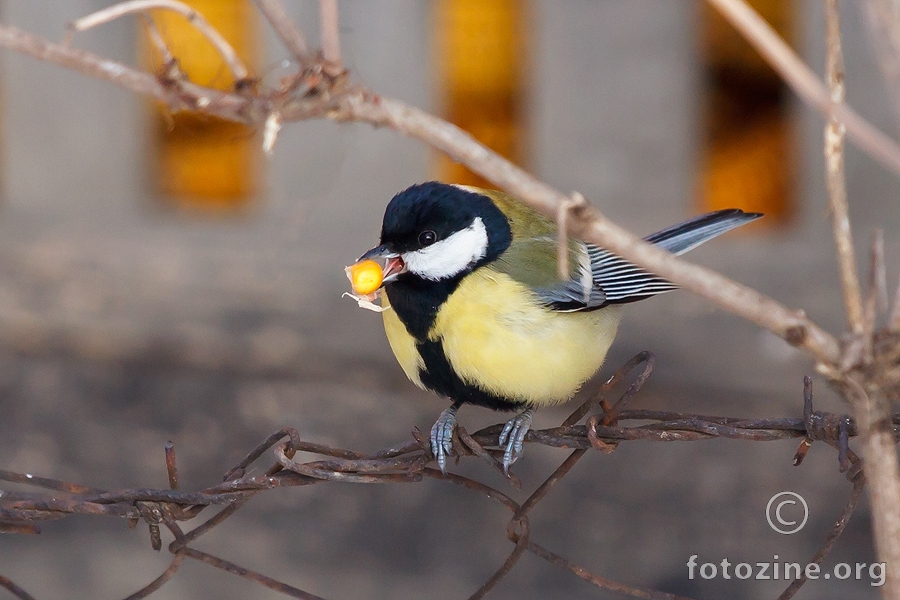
(879, 270)
(872, 407)
(170, 68)
(331, 41)
(285, 27)
(270, 132)
(834, 168)
(116, 11)
(894, 318)
(562, 233)
(884, 29)
(186, 96)
(870, 310)
(872, 410)
(14, 589)
(357, 104)
(805, 83)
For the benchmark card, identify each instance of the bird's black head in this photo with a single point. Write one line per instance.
(441, 231)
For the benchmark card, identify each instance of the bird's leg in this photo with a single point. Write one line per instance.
(442, 436)
(513, 437)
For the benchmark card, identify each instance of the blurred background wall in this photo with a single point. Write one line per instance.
(129, 317)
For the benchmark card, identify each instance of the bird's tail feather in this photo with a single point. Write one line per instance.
(680, 238)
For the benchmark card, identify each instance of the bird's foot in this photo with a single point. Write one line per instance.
(513, 437)
(442, 437)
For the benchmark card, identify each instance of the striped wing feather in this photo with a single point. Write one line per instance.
(597, 277)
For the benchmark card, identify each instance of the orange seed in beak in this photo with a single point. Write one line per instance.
(365, 276)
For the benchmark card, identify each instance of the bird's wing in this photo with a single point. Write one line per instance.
(533, 262)
(597, 277)
(624, 282)
(531, 259)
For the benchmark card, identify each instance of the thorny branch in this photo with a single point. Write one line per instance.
(409, 462)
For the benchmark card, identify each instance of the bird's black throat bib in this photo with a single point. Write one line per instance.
(416, 302)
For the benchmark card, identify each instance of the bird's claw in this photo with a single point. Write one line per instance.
(442, 437)
(513, 437)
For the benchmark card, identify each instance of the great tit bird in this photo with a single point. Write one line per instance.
(478, 312)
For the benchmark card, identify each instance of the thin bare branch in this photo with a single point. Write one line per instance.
(14, 589)
(894, 318)
(872, 409)
(285, 27)
(184, 96)
(562, 233)
(331, 40)
(589, 225)
(870, 309)
(805, 83)
(834, 169)
(270, 132)
(878, 271)
(884, 34)
(116, 11)
(170, 66)
(357, 104)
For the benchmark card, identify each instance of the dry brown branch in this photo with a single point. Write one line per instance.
(864, 383)
(184, 96)
(170, 64)
(871, 401)
(884, 29)
(410, 462)
(117, 11)
(331, 41)
(287, 31)
(15, 590)
(834, 168)
(804, 82)
(348, 103)
(562, 233)
(894, 317)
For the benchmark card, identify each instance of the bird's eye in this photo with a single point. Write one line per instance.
(427, 237)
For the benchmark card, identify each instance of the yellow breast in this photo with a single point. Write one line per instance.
(515, 349)
(402, 344)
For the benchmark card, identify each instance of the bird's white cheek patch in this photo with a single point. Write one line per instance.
(450, 256)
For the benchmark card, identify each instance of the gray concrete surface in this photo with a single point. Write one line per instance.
(123, 326)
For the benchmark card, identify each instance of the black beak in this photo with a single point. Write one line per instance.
(376, 253)
(394, 266)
